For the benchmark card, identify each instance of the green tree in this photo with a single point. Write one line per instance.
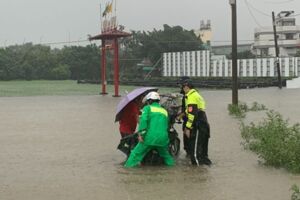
(84, 62)
(152, 44)
(29, 61)
(243, 55)
(61, 72)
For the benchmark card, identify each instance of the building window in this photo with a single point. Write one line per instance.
(298, 66)
(268, 67)
(289, 36)
(261, 68)
(264, 52)
(248, 71)
(254, 68)
(289, 23)
(240, 71)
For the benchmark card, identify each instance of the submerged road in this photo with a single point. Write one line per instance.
(64, 147)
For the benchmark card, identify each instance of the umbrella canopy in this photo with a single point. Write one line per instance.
(130, 97)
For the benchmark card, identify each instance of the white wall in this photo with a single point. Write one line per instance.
(198, 63)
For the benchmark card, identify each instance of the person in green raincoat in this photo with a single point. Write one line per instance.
(153, 133)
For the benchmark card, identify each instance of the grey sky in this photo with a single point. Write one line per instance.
(48, 21)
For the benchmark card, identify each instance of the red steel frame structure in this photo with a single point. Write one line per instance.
(112, 35)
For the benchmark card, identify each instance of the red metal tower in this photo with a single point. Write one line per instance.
(110, 33)
(113, 36)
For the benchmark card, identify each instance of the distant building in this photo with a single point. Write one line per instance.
(203, 64)
(288, 37)
(204, 33)
(226, 49)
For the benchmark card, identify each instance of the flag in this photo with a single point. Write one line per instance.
(108, 9)
(105, 11)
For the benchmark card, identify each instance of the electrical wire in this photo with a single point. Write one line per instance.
(245, 41)
(295, 15)
(270, 2)
(259, 11)
(250, 12)
(279, 2)
(63, 42)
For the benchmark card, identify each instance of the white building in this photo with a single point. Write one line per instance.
(186, 63)
(200, 64)
(288, 37)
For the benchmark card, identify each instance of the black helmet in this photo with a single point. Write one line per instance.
(182, 80)
(187, 82)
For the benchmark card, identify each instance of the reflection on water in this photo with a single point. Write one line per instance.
(65, 148)
(235, 173)
(180, 182)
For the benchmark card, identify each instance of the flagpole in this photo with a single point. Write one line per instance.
(100, 18)
(115, 13)
(115, 7)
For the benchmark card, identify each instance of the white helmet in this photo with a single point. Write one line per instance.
(152, 96)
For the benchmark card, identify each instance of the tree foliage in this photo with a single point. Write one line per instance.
(31, 62)
(243, 55)
(171, 39)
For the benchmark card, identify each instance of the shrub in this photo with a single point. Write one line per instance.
(296, 193)
(242, 108)
(257, 107)
(276, 143)
(239, 111)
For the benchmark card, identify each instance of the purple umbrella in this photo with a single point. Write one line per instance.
(130, 97)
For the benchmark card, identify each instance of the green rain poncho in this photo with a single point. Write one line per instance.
(153, 127)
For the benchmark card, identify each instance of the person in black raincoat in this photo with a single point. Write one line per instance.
(196, 128)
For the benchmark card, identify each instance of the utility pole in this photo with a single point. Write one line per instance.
(277, 52)
(234, 53)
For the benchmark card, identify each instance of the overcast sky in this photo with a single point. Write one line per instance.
(47, 21)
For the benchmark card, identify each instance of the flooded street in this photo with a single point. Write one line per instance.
(64, 147)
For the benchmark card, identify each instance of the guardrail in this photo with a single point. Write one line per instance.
(208, 83)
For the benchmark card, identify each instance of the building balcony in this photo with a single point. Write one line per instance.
(281, 43)
(279, 29)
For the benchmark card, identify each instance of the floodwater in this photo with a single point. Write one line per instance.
(64, 147)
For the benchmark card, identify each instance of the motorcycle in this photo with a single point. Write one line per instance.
(170, 103)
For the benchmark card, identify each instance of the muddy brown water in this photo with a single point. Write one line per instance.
(64, 147)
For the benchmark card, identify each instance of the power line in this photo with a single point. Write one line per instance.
(64, 42)
(257, 10)
(265, 14)
(159, 41)
(57, 43)
(255, 20)
(295, 15)
(270, 2)
(279, 2)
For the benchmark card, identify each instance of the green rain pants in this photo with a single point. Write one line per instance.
(139, 152)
